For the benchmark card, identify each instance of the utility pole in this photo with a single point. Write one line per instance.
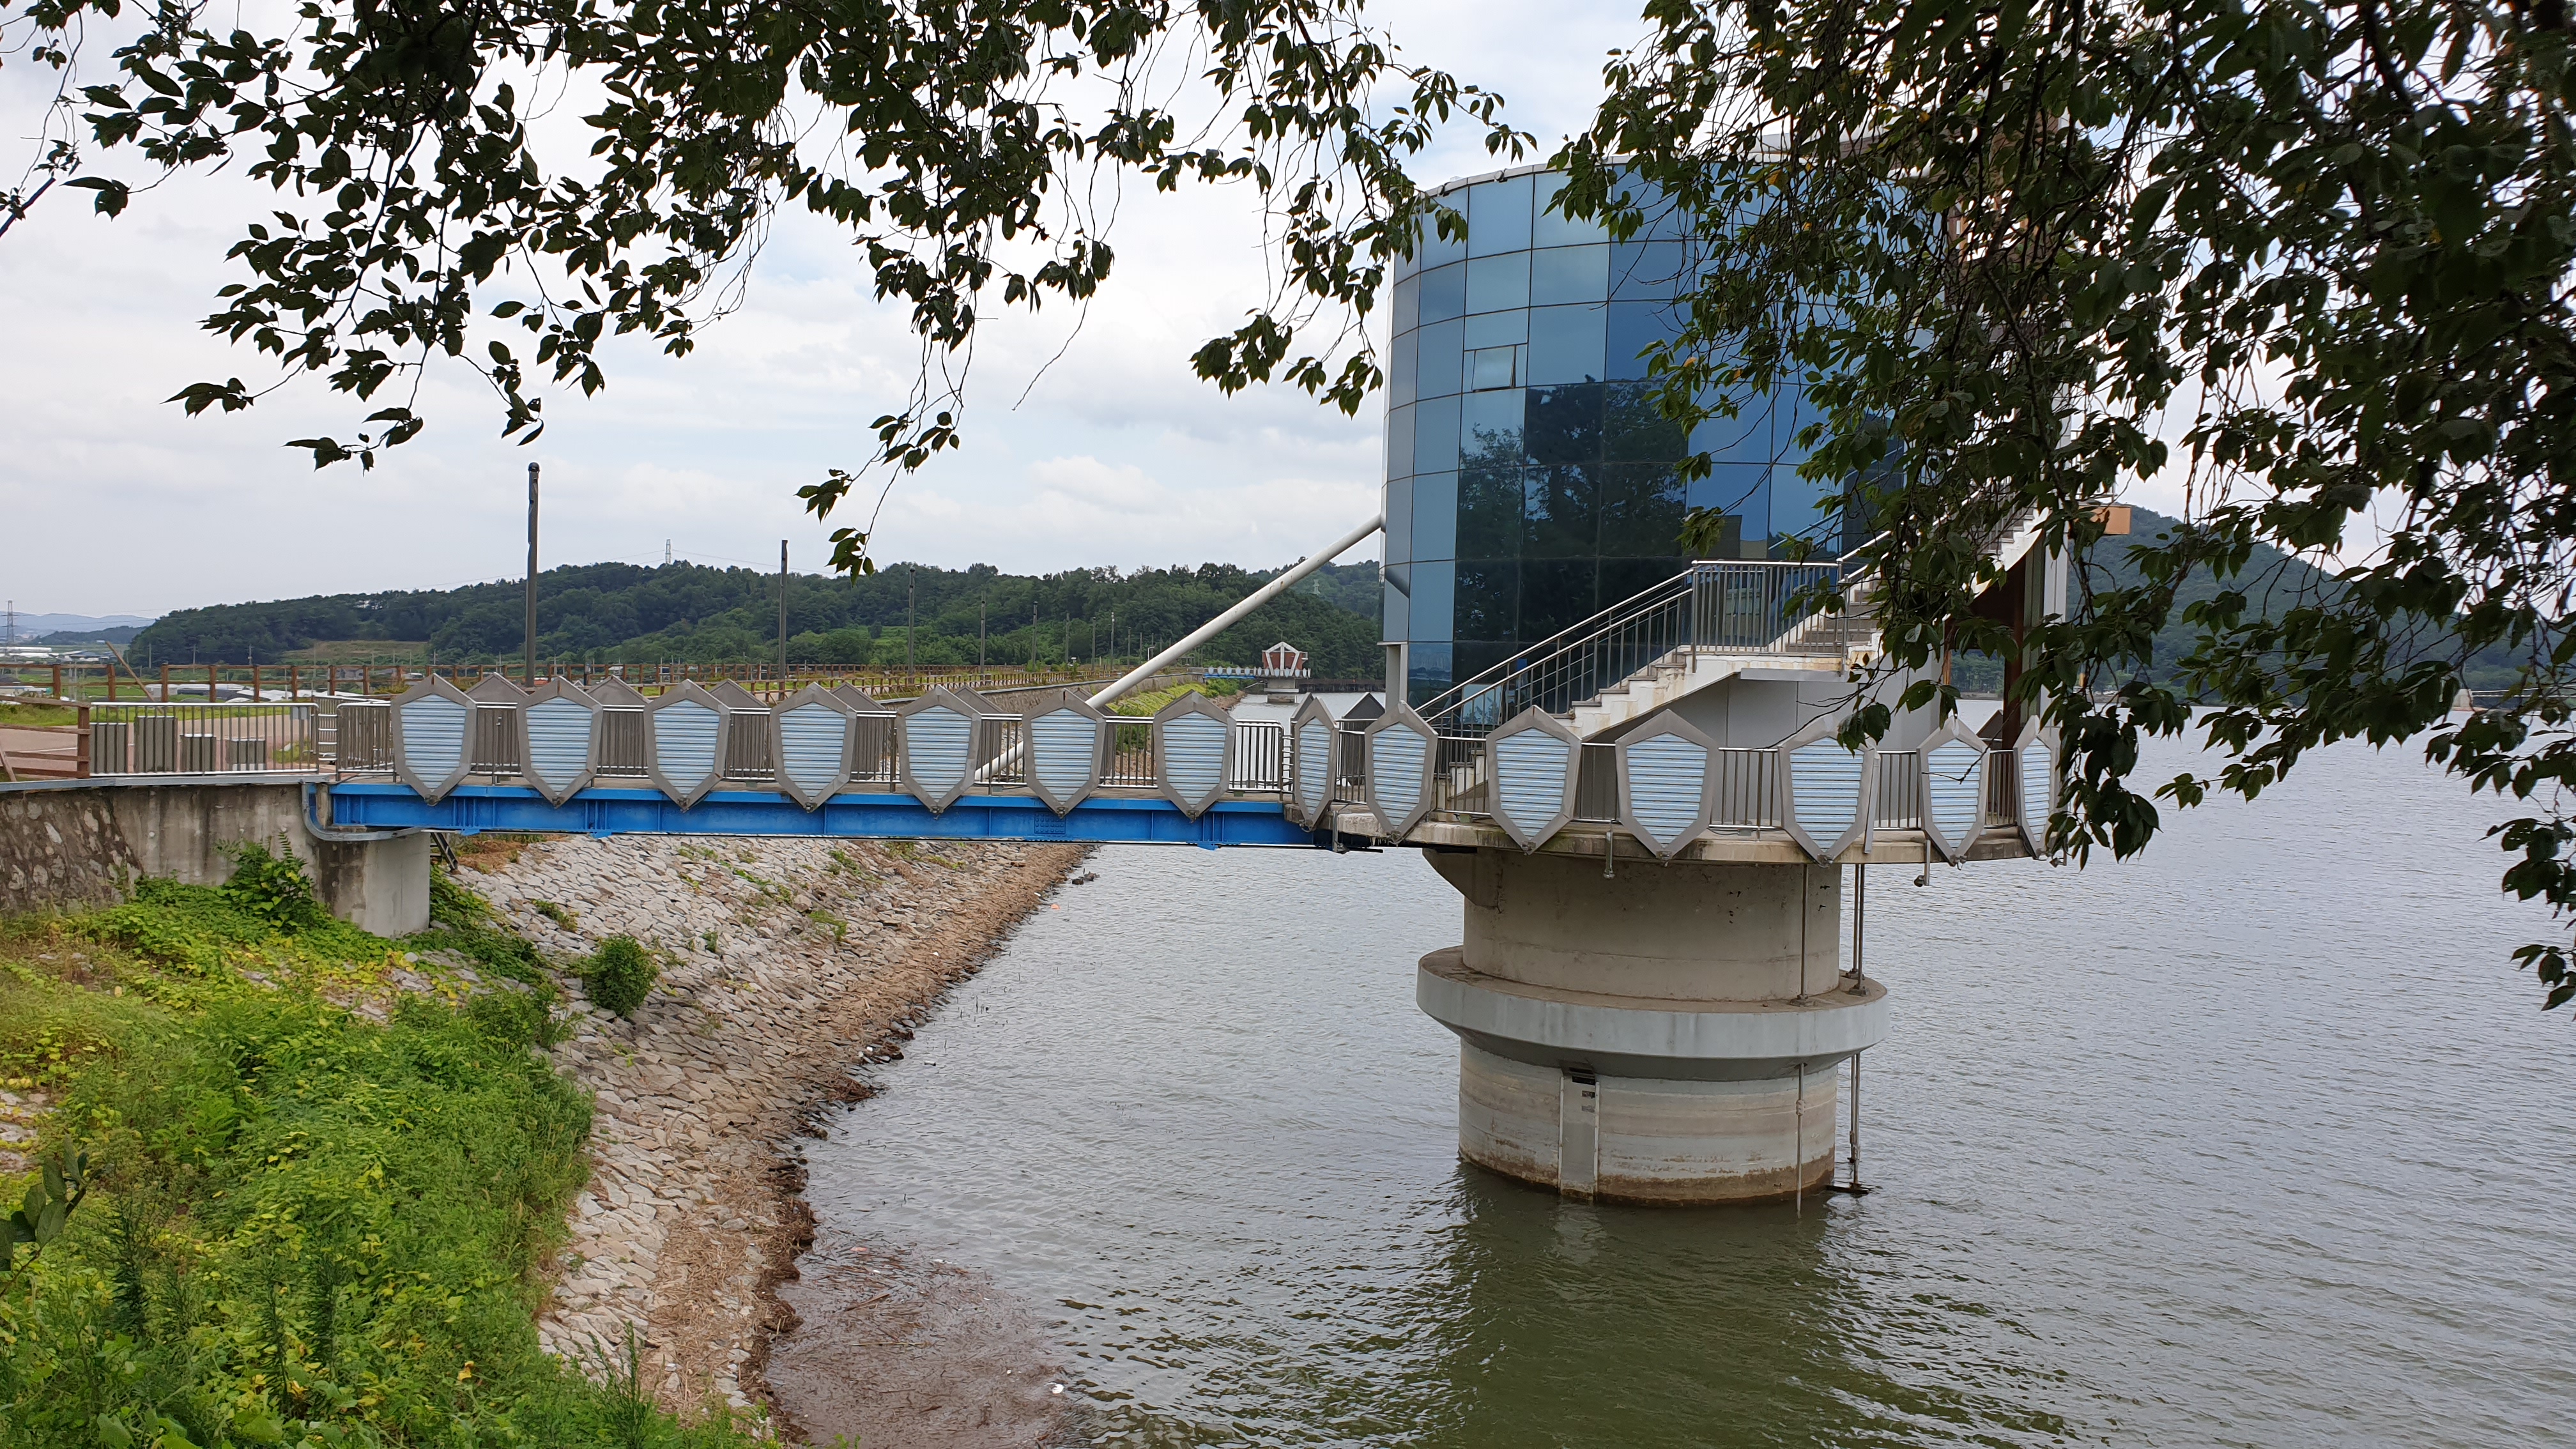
(529, 671)
(911, 609)
(979, 641)
(782, 618)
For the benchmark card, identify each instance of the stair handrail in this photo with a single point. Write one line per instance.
(1604, 623)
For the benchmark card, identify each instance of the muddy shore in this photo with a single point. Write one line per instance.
(786, 965)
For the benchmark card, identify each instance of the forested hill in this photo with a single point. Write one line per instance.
(682, 611)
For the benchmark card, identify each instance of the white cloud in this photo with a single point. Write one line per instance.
(112, 501)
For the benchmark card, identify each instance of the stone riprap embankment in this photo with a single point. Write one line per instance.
(783, 964)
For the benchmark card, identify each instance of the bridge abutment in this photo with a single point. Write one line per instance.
(1664, 1034)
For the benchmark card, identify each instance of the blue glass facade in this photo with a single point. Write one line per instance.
(1530, 481)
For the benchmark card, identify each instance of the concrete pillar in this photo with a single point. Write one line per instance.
(1665, 1035)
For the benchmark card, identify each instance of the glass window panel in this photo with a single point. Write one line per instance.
(1569, 274)
(1641, 510)
(1496, 284)
(1435, 250)
(1435, 436)
(1744, 438)
(1396, 611)
(1664, 221)
(1427, 669)
(1433, 585)
(1489, 512)
(1444, 293)
(1635, 430)
(1740, 489)
(1488, 593)
(1791, 415)
(1623, 579)
(1498, 216)
(1550, 227)
(1561, 511)
(1634, 327)
(1489, 368)
(1435, 360)
(1408, 305)
(1435, 516)
(1476, 658)
(1563, 424)
(1497, 329)
(1395, 505)
(1489, 431)
(1399, 442)
(1566, 344)
(1797, 506)
(1399, 368)
(1556, 595)
(1639, 272)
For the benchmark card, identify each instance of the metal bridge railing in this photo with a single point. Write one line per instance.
(1260, 756)
(203, 739)
(1712, 607)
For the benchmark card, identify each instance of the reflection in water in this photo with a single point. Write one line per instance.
(2242, 1144)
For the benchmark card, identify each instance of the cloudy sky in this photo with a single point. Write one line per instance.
(115, 502)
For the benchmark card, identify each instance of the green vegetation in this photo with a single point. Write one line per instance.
(302, 1225)
(15, 713)
(1151, 701)
(620, 975)
(611, 613)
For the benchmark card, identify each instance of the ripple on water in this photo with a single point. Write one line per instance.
(2251, 1141)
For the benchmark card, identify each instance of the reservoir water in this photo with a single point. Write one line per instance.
(2256, 1140)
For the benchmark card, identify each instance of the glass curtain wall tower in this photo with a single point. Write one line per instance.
(1530, 481)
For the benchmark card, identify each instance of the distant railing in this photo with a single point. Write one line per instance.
(1260, 756)
(1596, 785)
(202, 739)
(1350, 765)
(2003, 788)
(1747, 796)
(1715, 607)
(1900, 790)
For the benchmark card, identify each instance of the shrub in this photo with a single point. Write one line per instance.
(273, 885)
(620, 976)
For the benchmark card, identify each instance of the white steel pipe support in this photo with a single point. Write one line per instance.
(1228, 619)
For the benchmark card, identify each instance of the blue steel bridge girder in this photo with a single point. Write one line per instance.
(473, 809)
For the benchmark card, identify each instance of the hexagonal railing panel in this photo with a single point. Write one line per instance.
(1531, 765)
(1664, 784)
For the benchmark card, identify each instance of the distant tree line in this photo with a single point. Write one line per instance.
(628, 613)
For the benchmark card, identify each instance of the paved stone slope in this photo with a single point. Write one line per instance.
(784, 962)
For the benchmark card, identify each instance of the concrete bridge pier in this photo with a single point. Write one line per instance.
(1667, 1034)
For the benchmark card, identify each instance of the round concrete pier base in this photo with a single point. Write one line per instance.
(1667, 1036)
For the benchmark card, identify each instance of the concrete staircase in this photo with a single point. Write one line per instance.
(1826, 645)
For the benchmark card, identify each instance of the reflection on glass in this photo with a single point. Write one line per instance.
(1489, 508)
(1435, 435)
(1488, 593)
(1399, 369)
(1498, 216)
(1398, 613)
(1634, 428)
(1435, 359)
(1738, 489)
(1492, 367)
(1641, 510)
(1407, 307)
(1491, 430)
(1399, 442)
(1426, 668)
(1497, 329)
(1569, 274)
(1432, 585)
(1396, 508)
(1550, 227)
(1561, 510)
(1444, 292)
(1635, 327)
(1564, 424)
(1435, 516)
(1639, 272)
(1566, 344)
(1497, 283)
(1556, 594)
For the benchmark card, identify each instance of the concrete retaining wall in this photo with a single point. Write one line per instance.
(72, 845)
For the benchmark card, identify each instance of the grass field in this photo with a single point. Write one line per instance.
(322, 1208)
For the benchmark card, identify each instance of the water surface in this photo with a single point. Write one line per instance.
(2254, 1141)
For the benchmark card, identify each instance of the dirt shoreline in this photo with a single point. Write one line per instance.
(786, 964)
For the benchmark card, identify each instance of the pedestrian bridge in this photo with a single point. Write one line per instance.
(954, 764)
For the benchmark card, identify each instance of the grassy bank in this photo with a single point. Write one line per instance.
(327, 1171)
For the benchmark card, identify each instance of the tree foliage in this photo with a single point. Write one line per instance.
(430, 204)
(2312, 257)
